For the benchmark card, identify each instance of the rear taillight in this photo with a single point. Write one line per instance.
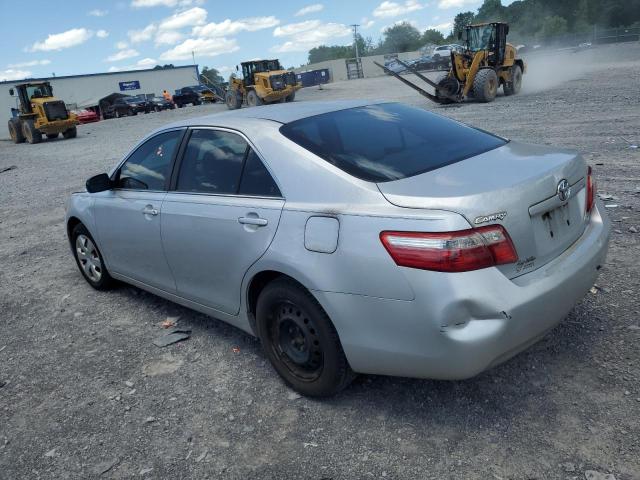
(459, 251)
(591, 191)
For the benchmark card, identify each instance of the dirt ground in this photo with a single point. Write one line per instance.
(85, 394)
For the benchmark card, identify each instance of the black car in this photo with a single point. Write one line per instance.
(184, 96)
(160, 103)
(139, 104)
(118, 105)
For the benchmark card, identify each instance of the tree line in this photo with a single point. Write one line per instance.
(529, 20)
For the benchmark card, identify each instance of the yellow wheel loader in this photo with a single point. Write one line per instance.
(40, 113)
(486, 63)
(263, 82)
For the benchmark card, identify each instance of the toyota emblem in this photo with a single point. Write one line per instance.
(564, 190)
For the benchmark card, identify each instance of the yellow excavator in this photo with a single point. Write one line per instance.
(263, 82)
(38, 113)
(486, 63)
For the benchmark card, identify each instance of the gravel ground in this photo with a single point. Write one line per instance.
(85, 394)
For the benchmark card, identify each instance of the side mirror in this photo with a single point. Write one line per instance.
(11, 92)
(99, 183)
(237, 69)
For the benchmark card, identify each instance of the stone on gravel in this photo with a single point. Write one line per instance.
(51, 452)
(594, 475)
(293, 396)
(129, 384)
(633, 229)
(103, 467)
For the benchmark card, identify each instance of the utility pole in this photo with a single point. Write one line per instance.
(355, 43)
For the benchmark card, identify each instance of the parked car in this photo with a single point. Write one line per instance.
(139, 104)
(445, 50)
(185, 96)
(118, 105)
(86, 116)
(160, 103)
(426, 248)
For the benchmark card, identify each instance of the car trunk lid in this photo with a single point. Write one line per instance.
(517, 186)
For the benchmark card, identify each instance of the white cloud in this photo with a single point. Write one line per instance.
(139, 65)
(442, 27)
(137, 36)
(455, 3)
(32, 63)
(98, 13)
(11, 74)
(165, 3)
(306, 35)
(232, 27)
(122, 45)
(393, 9)
(122, 55)
(102, 34)
(168, 37)
(186, 18)
(296, 28)
(60, 41)
(366, 23)
(203, 47)
(316, 7)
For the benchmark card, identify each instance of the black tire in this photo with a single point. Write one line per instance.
(92, 254)
(513, 86)
(485, 85)
(300, 340)
(51, 136)
(291, 97)
(30, 132)
(233, 100)
(253, 99)
(70, 133)
(15, 131)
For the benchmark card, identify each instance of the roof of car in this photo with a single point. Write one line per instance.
(281, 113)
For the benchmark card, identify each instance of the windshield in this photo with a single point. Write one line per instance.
(380, 143)
(480, 37)
(132, 100)
(39, 91)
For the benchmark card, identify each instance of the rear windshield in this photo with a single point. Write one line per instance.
(390, 141)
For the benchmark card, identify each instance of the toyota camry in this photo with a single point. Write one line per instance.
(350, 237)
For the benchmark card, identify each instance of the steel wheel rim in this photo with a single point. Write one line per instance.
(88, 258)
(294, 341)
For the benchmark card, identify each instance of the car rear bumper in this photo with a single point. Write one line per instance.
(461, 324)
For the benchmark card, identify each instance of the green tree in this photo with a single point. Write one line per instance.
(402, 37)
(431, 36)
(324, 53)
(491, 11)
(553, 26)
(460, 21)
(210, 76)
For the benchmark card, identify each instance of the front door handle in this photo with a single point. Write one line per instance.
(260, 222)
(149, 210)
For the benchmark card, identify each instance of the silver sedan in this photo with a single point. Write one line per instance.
(350, 236)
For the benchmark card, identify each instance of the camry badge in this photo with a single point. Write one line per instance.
(564, 190)
(490, 218)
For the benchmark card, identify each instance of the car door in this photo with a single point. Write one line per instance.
(220, 217)
(128, 216)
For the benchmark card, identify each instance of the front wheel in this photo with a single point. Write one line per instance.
(30, 132)
(15, 131)
(485, 85)
(291, 97)
(89, 259)
(300, 340)
(70, 133)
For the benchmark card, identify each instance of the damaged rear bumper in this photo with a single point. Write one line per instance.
(461, 324)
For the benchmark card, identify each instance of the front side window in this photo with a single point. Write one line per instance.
(149, 166)
(212, 162)
(385, 142)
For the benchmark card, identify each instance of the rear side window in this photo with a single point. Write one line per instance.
(256, 179)
(212, 162)
(148, 167)
(391, 141)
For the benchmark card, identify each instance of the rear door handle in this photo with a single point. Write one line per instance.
(260, 222)
(149, 210)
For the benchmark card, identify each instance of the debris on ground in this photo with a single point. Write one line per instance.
(104, 467)
(594, 475)
(611, 205)
(235, 349)
(172, 336)
(149, 419)
(607, 198)
(633, 230)
(7, 169)
(144, 471)
(202, 456)
(568, 467)
(51, 453)
(170, 322)
(129, 383)
(293, 396)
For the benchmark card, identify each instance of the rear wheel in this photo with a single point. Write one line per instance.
(30, 132)
(291, 97)
(51, 136)
(89, 259)
(70, 133)
(300, 340)
(513, 86)
(485, 85)
(15, 131)
(253, 100)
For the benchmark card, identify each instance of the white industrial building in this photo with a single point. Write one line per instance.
(81, 91)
